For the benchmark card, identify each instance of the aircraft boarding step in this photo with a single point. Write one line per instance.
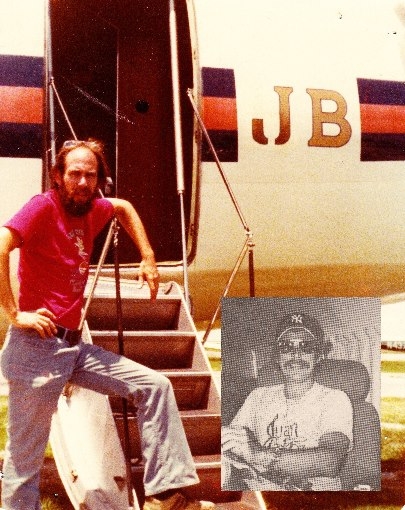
(194, 423)
(161, 334)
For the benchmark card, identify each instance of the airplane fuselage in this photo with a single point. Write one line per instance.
(304, 104)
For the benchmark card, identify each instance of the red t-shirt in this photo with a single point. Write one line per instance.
(55, 254)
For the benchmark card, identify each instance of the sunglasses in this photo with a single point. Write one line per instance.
(68, 144)
(305, 346)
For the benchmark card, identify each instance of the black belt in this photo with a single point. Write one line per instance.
(71, 336)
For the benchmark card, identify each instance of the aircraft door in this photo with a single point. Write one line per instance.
(146, 159)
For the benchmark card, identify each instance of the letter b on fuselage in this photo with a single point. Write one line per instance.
(320, 118)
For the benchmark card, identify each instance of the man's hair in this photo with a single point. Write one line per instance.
(96, 147)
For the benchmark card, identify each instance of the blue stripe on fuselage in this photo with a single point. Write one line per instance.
(21, 71)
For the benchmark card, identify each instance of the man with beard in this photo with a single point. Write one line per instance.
(43, 349)
(295, 435)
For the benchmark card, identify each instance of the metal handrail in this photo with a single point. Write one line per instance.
(249, 244)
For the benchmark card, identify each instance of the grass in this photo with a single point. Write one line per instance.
(216, 364)
(3, 423)
(393, 367)
(393, 410)
(393, 447)
(48, 504)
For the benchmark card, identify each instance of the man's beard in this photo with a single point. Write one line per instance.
(75, 208)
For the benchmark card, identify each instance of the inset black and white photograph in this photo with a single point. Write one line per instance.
(300, 394)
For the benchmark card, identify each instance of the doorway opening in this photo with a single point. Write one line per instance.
(112, 70)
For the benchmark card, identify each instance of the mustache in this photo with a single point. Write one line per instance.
(301, 363)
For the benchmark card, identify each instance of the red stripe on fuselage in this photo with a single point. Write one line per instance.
(219, 113)
(379, 118)
(21, 105)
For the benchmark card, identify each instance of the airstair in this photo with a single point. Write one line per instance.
(161, 335)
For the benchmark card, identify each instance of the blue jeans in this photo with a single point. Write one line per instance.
(37, 370)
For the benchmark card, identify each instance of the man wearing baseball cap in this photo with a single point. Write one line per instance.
(294, 435)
